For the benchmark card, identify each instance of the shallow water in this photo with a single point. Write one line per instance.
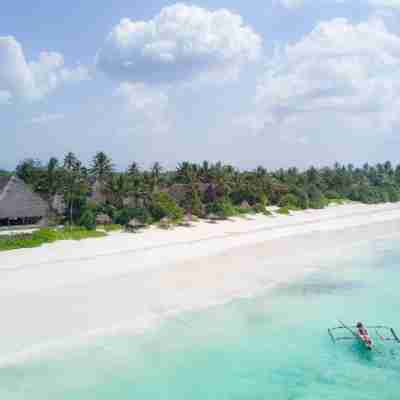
(274, 346)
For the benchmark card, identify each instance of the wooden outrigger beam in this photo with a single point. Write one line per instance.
(395, 335)
(331, 335)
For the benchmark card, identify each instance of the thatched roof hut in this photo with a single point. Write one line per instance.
(165, 223)
(103, 219)
(245, 205)
(19, 205)
(187, 220)
(134, 224)
(213, 218)
(179, 191)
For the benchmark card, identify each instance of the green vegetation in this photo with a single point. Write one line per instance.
(110, 228)
(3, 172)
(149, 196)
(164, 206)
(284, 211)
(123, 216)
(223, 208)
(45, 235)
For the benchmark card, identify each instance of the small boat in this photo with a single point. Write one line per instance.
(388, 335)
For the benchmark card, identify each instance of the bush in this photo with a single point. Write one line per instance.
(284, 211)
(260, 209)
(88, 220)
(289, 201)
(122, 217)
(192, 202)
(163, 205)
(104, 208)
(223, 208)
(332, 195)
(243, 210)
(317, 199)
(394, 195)
(303, 201)
(263, 200)
(45, 235)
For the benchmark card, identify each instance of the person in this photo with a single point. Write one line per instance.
(363, 333)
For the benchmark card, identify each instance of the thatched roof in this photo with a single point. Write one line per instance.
(103, 219)
(3, 182)
(179, 191)
(188, 218)
(213, 217)
(17, 200)
(135, 223)
(245, 204)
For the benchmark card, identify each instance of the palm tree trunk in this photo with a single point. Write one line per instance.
(70, 211)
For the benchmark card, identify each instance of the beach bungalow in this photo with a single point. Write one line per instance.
(19, 205)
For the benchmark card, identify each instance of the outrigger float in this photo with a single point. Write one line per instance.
(385, 333)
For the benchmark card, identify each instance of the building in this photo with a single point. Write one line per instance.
(19, 205)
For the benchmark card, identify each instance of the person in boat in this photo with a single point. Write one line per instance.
(363, 333)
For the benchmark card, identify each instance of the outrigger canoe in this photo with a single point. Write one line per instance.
(389, 334)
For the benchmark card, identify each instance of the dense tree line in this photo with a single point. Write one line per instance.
(209, 188)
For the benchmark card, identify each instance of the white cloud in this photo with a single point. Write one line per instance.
(385, 3)
(350, 70)
(145, 106)
(181, 42)
(46, 118)
(33, 80)
(291, 3)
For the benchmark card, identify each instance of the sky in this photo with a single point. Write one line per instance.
(277, 83)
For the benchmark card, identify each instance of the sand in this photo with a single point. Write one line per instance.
(69, 292)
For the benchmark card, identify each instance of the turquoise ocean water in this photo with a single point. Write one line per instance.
(274, 346)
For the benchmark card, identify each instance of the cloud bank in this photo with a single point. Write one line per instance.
(340, 67)
(20, 79)
(181, 42)
(292, 4)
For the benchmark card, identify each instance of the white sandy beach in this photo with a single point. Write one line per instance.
(69, 291)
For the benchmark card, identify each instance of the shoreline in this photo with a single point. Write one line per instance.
(130, 281)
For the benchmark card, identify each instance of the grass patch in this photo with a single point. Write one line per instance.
(337, 201)
(244, 211)
(46, 235)
(110, 227)
(284, 211)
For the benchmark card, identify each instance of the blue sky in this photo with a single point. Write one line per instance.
(272, 82)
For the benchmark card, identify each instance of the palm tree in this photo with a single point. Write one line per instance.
(155, 175)
(75, 183)
(187, 172)
(134, 170)
(102, 166)
(118, 188)
(70, 161)
(53, 177)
